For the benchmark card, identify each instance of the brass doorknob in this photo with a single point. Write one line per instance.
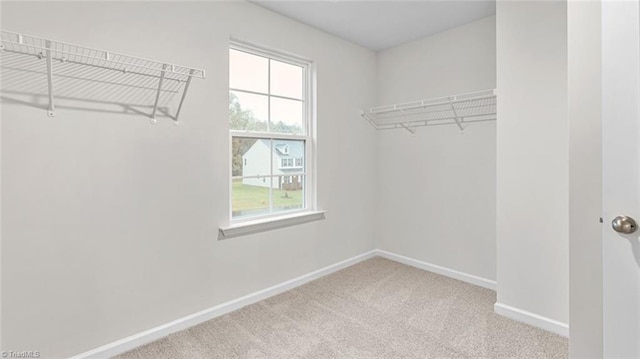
(624, 224)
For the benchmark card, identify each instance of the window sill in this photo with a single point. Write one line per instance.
(244, 228)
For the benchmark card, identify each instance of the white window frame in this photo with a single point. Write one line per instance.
(309, 211)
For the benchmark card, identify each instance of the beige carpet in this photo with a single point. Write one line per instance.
(374, 309)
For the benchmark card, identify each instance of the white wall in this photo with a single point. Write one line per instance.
(436, 189)
(109, 224)
(532, 158)
(585, 179)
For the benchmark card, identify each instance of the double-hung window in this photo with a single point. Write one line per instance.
(270, 127)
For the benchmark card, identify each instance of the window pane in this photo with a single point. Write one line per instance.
(286, 116)
(248, 111)
(286, 80)
(250, 157)
(289, 194)
(250, 197)
(248, 72)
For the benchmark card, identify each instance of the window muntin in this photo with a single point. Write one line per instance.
(270, 126)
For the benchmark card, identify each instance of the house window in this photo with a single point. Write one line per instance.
(286, 162)
(270, 128)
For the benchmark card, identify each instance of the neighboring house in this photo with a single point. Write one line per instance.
(288, 160)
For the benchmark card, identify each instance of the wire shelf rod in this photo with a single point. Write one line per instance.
(396, 126)
(456, 109)
(123, 63)
(104, 55)
(434, 111)
(419, 104)
(451, 119)
(100, 67)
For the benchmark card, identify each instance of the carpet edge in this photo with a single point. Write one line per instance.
(131, 342)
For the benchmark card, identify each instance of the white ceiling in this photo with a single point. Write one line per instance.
(379, 25)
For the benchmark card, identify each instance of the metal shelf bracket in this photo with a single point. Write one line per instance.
(51, 109)
(155, 105)
(184, 94)
(369, 119)
(456, 117)
(410, 129)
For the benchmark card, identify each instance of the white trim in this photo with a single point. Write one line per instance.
(266, 94)
(465, 277)
(267, 176)
(147, 336)
(533, 319)
(263, 135)
(269, 223)
(255, 49)
(516, 314)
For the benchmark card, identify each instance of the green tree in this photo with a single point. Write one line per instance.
(240, 119)
(281, 127)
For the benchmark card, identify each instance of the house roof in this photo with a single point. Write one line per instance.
(296, 148)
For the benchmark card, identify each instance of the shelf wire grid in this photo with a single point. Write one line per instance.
(89, 74)
(471, 107)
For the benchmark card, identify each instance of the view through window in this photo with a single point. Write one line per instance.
(270, 124)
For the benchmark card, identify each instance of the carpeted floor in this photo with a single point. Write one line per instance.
(374, 309)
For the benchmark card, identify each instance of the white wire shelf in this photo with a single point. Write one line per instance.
(65, 62)
(457, 109)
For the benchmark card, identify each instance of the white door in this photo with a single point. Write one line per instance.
(621, 179)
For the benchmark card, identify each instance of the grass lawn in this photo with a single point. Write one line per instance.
(255, 198)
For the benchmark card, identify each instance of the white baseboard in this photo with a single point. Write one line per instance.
(147, 336)
(469, 278)
(535, 320)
